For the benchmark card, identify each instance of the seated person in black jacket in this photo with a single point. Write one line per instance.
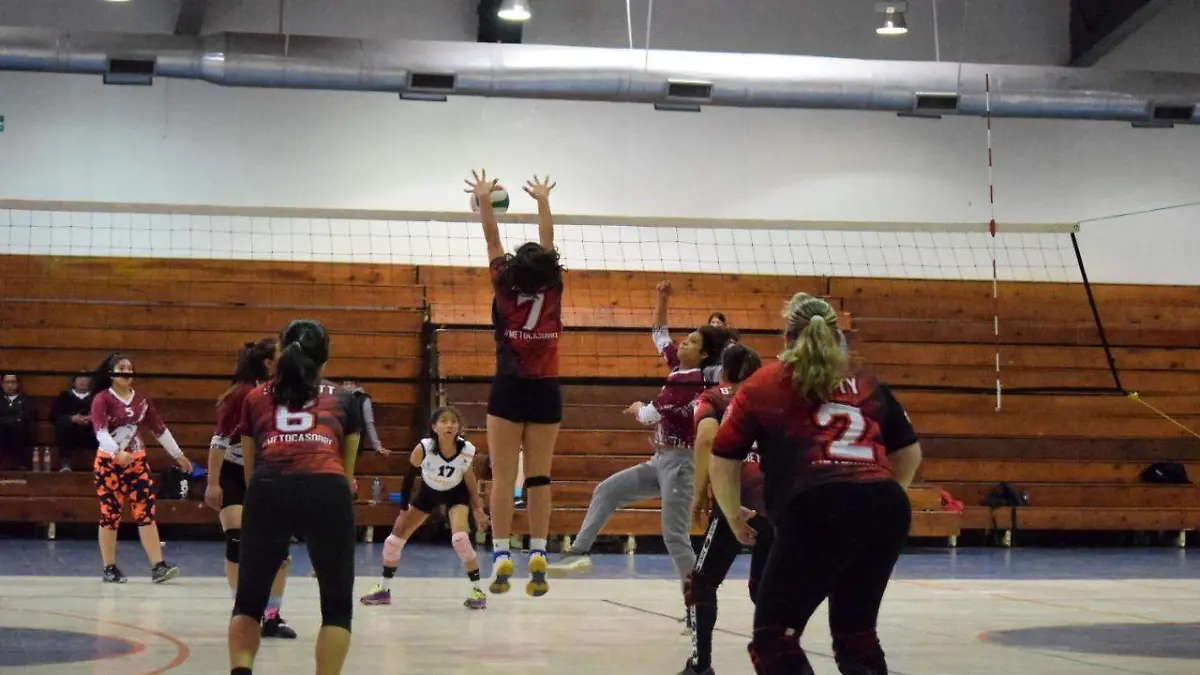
(72, 426)
(18, 424)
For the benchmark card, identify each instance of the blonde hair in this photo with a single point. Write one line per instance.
(813, 349)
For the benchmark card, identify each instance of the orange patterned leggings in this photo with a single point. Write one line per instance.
(116, 484)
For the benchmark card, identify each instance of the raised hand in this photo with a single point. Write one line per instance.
(480, 186)
(539, 189)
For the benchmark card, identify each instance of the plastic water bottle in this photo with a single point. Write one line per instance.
(37, 459)
(376, 490)
(47, 464)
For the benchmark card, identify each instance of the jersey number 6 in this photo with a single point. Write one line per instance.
(535, 312)
(849, 444)
(293, 422)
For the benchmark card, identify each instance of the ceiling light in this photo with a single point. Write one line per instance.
(116, 0)
(894, 22)
(514, 10)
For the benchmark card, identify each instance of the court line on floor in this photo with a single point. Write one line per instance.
(182, 651)
(664, 615)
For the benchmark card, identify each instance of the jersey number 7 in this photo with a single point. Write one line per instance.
(535, 312)
(849, 445)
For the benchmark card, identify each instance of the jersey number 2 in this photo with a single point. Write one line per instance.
(293, 422)
(535, 312)
(848, 445)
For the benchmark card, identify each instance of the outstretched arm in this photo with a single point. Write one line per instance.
(482, 189)
(540, 191)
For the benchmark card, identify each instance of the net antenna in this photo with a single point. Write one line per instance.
(987, 89)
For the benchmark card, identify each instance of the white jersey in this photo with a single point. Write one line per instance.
(443, 474)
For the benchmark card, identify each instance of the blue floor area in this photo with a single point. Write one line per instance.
(205, 558)
(37, 646)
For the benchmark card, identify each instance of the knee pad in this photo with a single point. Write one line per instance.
(463, 546)
(699, 589)
(859, 653)
(391, 549)
(233, 546)
(536, 481)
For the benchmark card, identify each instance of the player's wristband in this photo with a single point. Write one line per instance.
(168, 442)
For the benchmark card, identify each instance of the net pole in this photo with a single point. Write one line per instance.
(1112, 363)
(987, 89)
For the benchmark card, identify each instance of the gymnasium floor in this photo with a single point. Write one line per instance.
(967, 612)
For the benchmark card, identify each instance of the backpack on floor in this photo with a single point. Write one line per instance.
(177, 484)
(1001, 496)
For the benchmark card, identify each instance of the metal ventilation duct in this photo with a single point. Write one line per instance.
(670, 79)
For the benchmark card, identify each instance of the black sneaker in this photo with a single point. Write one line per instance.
(163, 571)
(689, 669)
(113, 575)
(518, 502)
(276, 627)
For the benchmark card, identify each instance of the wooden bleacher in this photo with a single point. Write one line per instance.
(1077, 456)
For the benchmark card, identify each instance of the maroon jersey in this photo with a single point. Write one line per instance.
(527, 327)
(673, 408)
(802, 443)
(712, 404)
(228, 435)
(124, 419)
(304, 441)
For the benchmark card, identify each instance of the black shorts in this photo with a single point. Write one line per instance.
(428, 499)
(520, 399)
(233, 484)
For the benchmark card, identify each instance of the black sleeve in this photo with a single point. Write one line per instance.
(898, 432)
(353, 411)
(60, 412)
(406, 488)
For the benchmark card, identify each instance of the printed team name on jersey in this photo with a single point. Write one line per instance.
(299, 438)
(518, 334)
(848, 386)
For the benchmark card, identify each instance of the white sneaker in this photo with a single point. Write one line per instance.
(570, 563)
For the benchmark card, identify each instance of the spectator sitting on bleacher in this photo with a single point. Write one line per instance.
(72, 426)
(18, 425)
(371, 440)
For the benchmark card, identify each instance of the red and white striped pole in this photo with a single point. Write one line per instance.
(987, 89)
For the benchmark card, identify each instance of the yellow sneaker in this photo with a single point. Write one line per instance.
(504, 571)
(537, 586)
(477, 600)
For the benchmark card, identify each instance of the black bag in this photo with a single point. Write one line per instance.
(1165, 473)
(1001, 496)
(175, 484)
(1006, 494)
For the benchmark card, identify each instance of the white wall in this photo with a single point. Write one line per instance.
(70, 138)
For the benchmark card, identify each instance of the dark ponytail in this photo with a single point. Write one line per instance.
(102, 376)
(739, 362)
(304, 349)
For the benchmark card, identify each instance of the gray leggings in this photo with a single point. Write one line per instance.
(669, 474)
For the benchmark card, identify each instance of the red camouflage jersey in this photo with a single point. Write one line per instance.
(125, 419)
(802, 443)
(305, 441)
(527, 328)
(712, 404)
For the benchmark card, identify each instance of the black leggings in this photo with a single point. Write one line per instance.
(716, 555)
(318, 508)
(838, 541)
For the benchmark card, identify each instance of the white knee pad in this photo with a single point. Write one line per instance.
(391, 549)
(463, 547)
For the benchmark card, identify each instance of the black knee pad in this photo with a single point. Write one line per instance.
(536, 481)
(233, 546)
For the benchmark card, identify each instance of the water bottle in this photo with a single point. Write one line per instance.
(37, 459)
(47, 464)
(376, 490)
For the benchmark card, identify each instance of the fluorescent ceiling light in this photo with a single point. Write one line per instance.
(514, 10)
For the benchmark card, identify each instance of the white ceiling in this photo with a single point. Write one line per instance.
(994, 31)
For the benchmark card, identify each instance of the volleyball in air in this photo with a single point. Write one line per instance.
(499, 201)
